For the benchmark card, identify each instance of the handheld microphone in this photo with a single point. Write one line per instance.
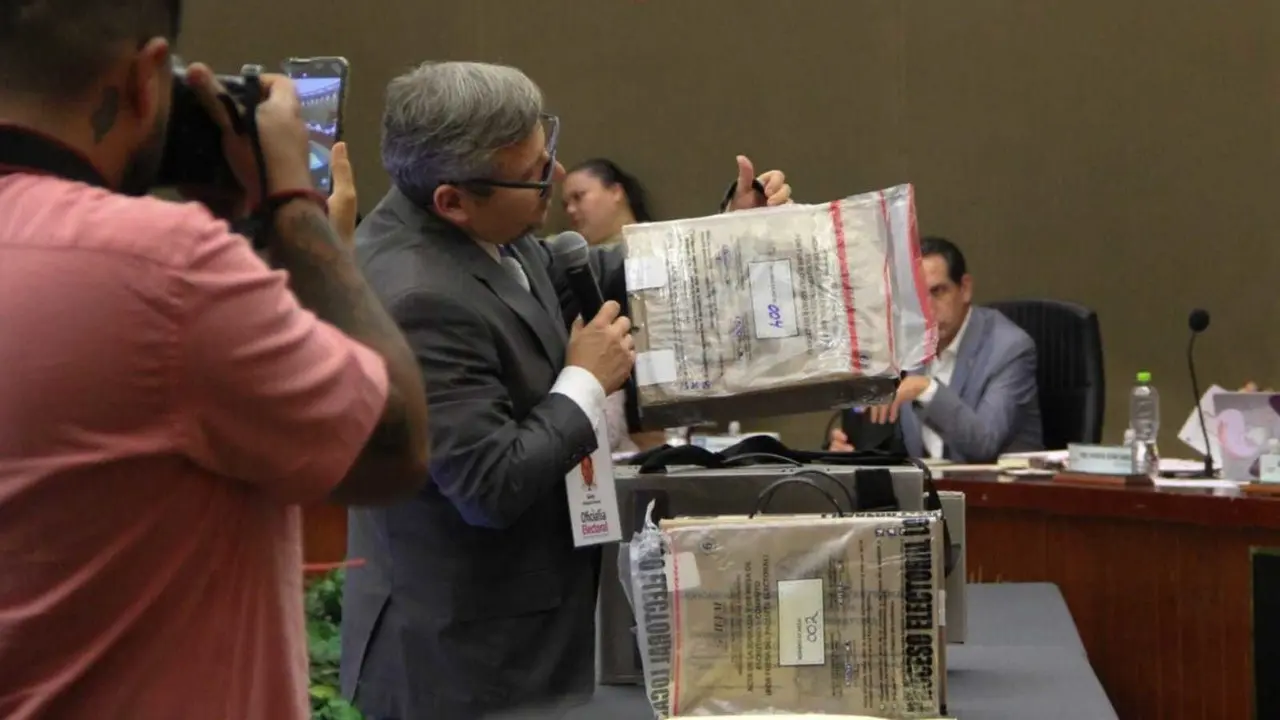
(571, 252)
(1198, 322)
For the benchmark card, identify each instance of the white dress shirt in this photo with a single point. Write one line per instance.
(615, 411)
(940, 372)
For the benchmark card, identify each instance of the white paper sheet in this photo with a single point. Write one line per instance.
(1190, 433)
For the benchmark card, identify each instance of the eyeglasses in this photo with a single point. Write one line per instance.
(551, 125)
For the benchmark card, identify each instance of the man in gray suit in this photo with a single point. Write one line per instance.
(473, 601)
(978, 398)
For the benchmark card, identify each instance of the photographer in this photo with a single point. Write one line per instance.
(165, 400)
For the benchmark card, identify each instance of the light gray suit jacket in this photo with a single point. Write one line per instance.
(992, 404)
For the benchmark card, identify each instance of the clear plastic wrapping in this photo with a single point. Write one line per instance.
(790, 614)
(787, 309)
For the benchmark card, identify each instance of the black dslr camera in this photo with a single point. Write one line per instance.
(193, 149)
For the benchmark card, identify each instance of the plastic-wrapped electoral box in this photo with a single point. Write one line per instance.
(778, 310)
(791, 614)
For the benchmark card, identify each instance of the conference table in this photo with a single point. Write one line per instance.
(1156, 579)
(1024, 660)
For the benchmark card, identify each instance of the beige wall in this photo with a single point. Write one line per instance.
(1119, 153)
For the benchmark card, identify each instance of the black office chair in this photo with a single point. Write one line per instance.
(1068, 367)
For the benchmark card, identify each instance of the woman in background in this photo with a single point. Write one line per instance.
(599, 198)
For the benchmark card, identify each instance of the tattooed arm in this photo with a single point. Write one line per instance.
(324, 277)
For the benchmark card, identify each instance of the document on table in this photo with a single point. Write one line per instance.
(1191, 434)
(1196, 484)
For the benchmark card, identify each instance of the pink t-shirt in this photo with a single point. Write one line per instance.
(164, 405)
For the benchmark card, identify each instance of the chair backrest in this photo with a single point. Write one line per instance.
(1068, 367)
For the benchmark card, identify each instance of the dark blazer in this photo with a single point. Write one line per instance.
(992, 405)
(472, 598)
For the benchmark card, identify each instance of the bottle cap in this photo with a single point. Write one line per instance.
(1144, 376)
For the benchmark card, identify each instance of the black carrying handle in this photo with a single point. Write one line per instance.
(762, 500)
(736, 460)
(933, 502)
(765, 445)
(761, 445)
(844, 489)
(657, 460)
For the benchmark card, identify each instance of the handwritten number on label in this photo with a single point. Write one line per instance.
(775, 316)
(811, 628)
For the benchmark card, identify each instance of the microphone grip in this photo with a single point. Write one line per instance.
(585, 288)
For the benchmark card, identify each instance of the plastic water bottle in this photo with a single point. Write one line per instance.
(1144, 420)
(676, 436)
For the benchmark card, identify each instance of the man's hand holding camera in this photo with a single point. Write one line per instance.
(281, 133)
(286, 153)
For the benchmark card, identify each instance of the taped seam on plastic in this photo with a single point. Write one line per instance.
(917, 274)
(676, 634)
(846, 284)
(889, 310)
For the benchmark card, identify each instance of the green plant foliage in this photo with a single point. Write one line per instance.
(324, 617)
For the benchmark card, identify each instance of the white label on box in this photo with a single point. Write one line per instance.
(593, 498)
(1269, 468)
(802, 637)
(682, 572)
(773, 299)
(645, 273)
(656, 367)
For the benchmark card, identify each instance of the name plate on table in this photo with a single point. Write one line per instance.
(1101, 465)
(1099, 459)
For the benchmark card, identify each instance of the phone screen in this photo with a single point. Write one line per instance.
(321, 88)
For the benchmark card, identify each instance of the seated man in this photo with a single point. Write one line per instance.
(978, 398)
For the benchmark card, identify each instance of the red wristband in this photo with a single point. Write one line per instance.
(276, 200)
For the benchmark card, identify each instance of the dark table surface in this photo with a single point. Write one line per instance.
(1024, 661)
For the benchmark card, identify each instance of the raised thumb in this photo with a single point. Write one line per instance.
(746, 174)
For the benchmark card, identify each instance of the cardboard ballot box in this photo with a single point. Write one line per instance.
(778, 310)
(792, 614)
(696, 491)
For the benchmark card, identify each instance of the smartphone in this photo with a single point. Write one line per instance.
(322, 87)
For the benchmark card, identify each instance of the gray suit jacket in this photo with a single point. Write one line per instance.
(992, 405)
(472, 598)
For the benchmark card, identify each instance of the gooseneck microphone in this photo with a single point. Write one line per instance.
(571, 253)
(1198, 322)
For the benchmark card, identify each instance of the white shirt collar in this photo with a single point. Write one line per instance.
(954, 348)
(490, 249)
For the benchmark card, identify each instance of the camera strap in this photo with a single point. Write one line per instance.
(245, 122)
(30, 152)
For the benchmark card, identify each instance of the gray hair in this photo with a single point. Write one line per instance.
(444, 121)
